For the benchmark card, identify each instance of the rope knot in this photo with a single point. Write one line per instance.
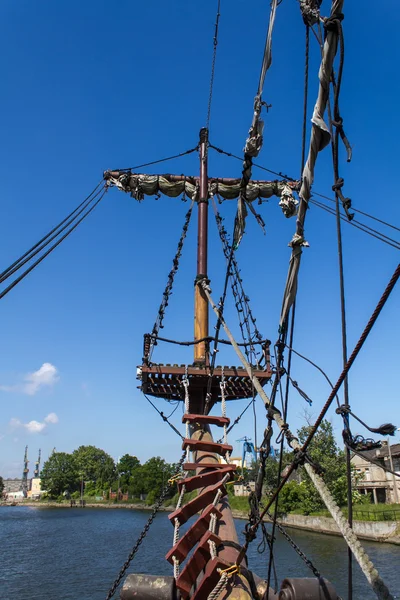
(338, 184)
(343, 410)
(333, 23)
(299, 459)
(338, 122)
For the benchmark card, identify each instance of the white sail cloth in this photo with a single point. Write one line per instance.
(138, 186)
(320, 138)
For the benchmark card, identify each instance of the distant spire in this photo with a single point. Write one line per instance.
(37, 465)
(24, 484)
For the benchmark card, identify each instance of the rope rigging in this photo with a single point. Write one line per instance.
(302, 458)
(160, 160)
(89, 205)
(255, 139)
(214, 58)
(47, 238)
(354, 222)
(247, 321)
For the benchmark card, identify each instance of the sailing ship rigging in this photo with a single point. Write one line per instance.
(207, 561)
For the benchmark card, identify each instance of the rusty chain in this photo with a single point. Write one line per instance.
(168, 289)
(247, 321)
(144, 532)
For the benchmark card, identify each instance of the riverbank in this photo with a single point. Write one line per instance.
(375, 531)
(50, 504)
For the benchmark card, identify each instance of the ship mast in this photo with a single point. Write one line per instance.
(201, 357)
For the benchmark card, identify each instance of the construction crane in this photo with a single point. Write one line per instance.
(248, 448)
(37, 465)
(24, 484)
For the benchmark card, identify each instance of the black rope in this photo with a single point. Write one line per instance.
(338, 183)
(156, 162)
(373, 232)
(164, 418)
(362, 455)
(236, 421)
(53, 247)
(305, 101)
(31, 252)
(215, 45)
(208, 339)
(361, 226)
(302, 452)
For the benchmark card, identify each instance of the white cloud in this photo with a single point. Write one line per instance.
(51, 418)
(34, 426)
(47, 375)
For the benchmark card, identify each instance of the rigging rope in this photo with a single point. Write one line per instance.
(361, 556)
(164, 418)
(241, 300)
(215, 45)
(31, 252)
(255, 139)
(160, 160)
(346, 203)
(361, 226)
(54, 246)
(357, 224)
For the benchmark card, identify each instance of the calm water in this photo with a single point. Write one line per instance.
(74, 554)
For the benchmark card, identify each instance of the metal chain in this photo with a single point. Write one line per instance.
(283, 531)
(168, 288)
(144, 532)
(247, 321)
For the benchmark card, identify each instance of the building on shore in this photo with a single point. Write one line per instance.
(13, 488)
(35, 491)
(383, 487)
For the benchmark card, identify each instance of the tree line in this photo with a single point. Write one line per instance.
(299, 494)
(94, 472)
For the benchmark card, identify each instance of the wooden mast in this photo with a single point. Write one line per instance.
(200, 301)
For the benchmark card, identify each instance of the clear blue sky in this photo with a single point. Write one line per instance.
(96, 85)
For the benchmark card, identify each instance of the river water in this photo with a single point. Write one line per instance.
(75, 554)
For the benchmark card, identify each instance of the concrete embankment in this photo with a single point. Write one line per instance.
(377, 531)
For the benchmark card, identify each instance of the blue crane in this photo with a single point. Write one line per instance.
(248, 448)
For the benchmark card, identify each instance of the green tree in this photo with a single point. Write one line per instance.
(95, 465)
(153, 474)
(60, 474)
(327, 454)
(1, 486)
(128, 470)
(127, 464)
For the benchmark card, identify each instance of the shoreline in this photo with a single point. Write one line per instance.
(387, 532)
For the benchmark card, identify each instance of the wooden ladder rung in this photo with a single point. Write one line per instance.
(205, 479)
(198, 503)
(196, 564)
(205, 465)
(205, 419)
(193, 535)
(210, 578)
(202, 445)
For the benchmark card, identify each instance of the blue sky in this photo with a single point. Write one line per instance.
(95, 85)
